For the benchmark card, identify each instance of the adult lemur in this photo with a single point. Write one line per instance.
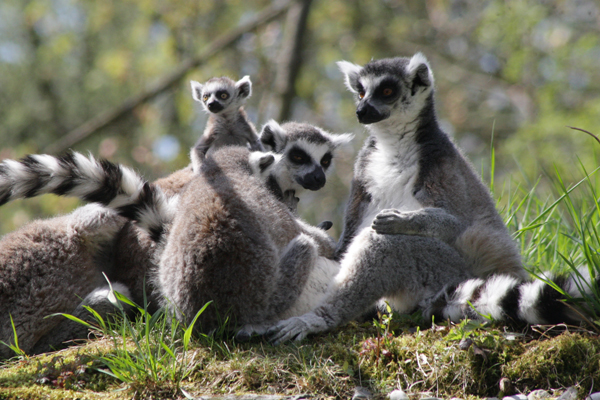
(120, 189)
(419, 221)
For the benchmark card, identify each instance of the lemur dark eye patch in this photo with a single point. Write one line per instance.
(326, 160)
(388, 88)
(298, 156)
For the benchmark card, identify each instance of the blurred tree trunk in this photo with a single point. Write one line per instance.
(290, 59)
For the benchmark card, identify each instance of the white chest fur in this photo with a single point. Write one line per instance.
(391, 173)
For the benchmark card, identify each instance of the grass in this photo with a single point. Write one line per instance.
(153, 356)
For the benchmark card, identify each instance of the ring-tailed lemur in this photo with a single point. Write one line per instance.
(236, 244)
(418, 219)
(123, 190)
(228, 123)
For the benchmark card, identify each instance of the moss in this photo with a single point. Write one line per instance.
(332, 365)
(563, 361)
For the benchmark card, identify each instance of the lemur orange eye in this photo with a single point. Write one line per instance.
(361, 94)
(224, 96)
(387, 92)
(205, 97)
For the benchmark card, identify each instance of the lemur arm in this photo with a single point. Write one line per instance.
(325, 243)
(431, 222)
(203, 145)
(359, 201)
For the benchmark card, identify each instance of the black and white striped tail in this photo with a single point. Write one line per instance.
(74, 175)
(505, 298)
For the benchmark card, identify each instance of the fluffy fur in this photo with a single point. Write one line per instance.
(50, 266)
(234, 243)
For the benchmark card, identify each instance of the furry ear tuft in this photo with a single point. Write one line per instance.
(351, 73)
(243, 87)
(420, 72)
(341, 139)
(273, 137)
(197, 90)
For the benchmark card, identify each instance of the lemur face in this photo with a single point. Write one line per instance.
(386, 87)
(218, 95)
(307, 153)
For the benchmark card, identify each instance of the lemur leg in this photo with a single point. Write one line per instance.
(101, 300)
(295, 266)
(430, 222)
(405, 270)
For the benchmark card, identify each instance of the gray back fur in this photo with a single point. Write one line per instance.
(233, 243)
(49, 266)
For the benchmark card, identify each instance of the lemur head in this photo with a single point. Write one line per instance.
(390, 88)
(218, 95)
(306, 153)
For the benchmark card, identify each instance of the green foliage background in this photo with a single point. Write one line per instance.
(520, 71)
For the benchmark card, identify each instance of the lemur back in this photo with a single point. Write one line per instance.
(236, 244)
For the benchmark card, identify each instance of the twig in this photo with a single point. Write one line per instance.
(582, 315)
(108, 117)
(583, 130)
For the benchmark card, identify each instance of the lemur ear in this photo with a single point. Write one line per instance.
(265, 162)
(419, 73)
(273, 137)
(351, 72)
(196, 90)
(341, 139)
(243, 87)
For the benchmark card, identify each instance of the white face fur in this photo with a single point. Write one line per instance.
(307, 153)
(220, 95)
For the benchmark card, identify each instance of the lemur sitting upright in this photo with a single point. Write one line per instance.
(419, 220)
(227, 123)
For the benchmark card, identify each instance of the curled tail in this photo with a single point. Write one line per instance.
(505, 298)
(75, 175)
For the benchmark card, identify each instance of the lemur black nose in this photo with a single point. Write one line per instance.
(361, 112)
(367, 114)
(214, 107)
(314, 180)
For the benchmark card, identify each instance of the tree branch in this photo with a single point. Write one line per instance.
(110, 116)
(290, 59)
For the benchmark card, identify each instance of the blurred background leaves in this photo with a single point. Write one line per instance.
(517, 71)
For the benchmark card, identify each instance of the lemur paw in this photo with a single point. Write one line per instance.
(393, 221)
(294, 328)
(248, 331)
